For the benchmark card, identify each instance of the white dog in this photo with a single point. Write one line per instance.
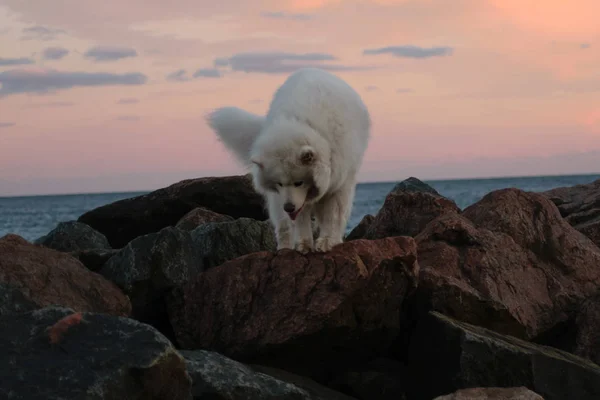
(304, 155)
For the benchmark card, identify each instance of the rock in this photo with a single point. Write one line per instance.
(514, 393)
(381, 379)
(200, 216)
(361, 229)
(73, 236)
(94, 259)
(47, 277)
(217, 377)
(298, 312)
(587, 340)
(447, 355)
(149, 267)
(126, 219)
(406, 212)
(218, 242)
(515, 267)
(413, 185)
(580, 206)
(97, 357)
(13, 300)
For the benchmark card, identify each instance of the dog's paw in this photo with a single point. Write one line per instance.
(304, 246)
(325, 244)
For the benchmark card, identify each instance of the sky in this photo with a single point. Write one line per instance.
(111, 95)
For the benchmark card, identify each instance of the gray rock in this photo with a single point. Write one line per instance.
(73, 236)
(200, 216)
(98, 357)
(94, 259)
(514, 393)
(413, 184)
(149, 267)
(446, 355)
(217, 377)
(218, 242)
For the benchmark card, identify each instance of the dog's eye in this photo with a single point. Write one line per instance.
(298, 184)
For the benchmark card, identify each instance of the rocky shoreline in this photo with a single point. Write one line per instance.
(181, 294)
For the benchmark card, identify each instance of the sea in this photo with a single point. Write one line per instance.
(34, 216)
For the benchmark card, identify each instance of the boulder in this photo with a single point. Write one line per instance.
(514, 393)
(407, 210)
(13, 300)
(447, 355)
(55, 353)
(126, 219)
(298, 312)
(94, 259)
(217, 377)
(360, 230)
(45, 277)
(580, 206)
(73, 236)
(509, 263)
(200, 216)
(587, 339)
(149, 267)
(218, 242)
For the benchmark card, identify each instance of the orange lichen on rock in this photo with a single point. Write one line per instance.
(56, 331)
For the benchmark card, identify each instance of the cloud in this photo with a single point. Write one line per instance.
(404, 90)
(109, 53)
(54, 53)
(178, 76)
(128, 100)
(371, 88)
(46, 81)
(411, 51)
(585, 45)
(40, 32)
(50, 104)
(279, 62)
(15, 61)
(207, 73)
(128, 118)
(283, 15)
(6, 124)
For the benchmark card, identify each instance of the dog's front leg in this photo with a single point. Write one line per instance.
(332, 213)
(303, 231)
(280, 221)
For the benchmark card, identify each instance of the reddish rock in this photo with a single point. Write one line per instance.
(587, 341)
(407, 213)
(514, 393)
(47, 277)
(580, 206)
(514, 266)
(312, 308)
(124, 220)
(200, 216)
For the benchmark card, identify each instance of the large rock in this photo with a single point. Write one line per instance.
(580, 206)
(13, 300)
(54, 353)
(447, 355)
(149, 267)
(299, 311)
(407, 210)
(218, 242)
(47, 277)
(360, 230)
(587, 340)
(217, 377)
(200, 216)
(514, 393)
(73, 236)
(514, 266)
(124, 220)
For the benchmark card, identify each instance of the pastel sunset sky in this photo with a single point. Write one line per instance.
(111, 95)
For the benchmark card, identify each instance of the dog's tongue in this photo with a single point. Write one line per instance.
(295, 213)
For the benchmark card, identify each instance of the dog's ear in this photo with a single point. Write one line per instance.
(307, 155)
(257, 162)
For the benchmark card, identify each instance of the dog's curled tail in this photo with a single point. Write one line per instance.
(237, 129)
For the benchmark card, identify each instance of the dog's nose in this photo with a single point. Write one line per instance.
(289, 207)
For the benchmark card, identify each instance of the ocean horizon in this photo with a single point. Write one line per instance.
(32, 216)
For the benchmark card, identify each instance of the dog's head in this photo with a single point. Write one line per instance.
(293, 166)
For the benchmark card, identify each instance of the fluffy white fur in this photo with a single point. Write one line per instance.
(304, 155)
